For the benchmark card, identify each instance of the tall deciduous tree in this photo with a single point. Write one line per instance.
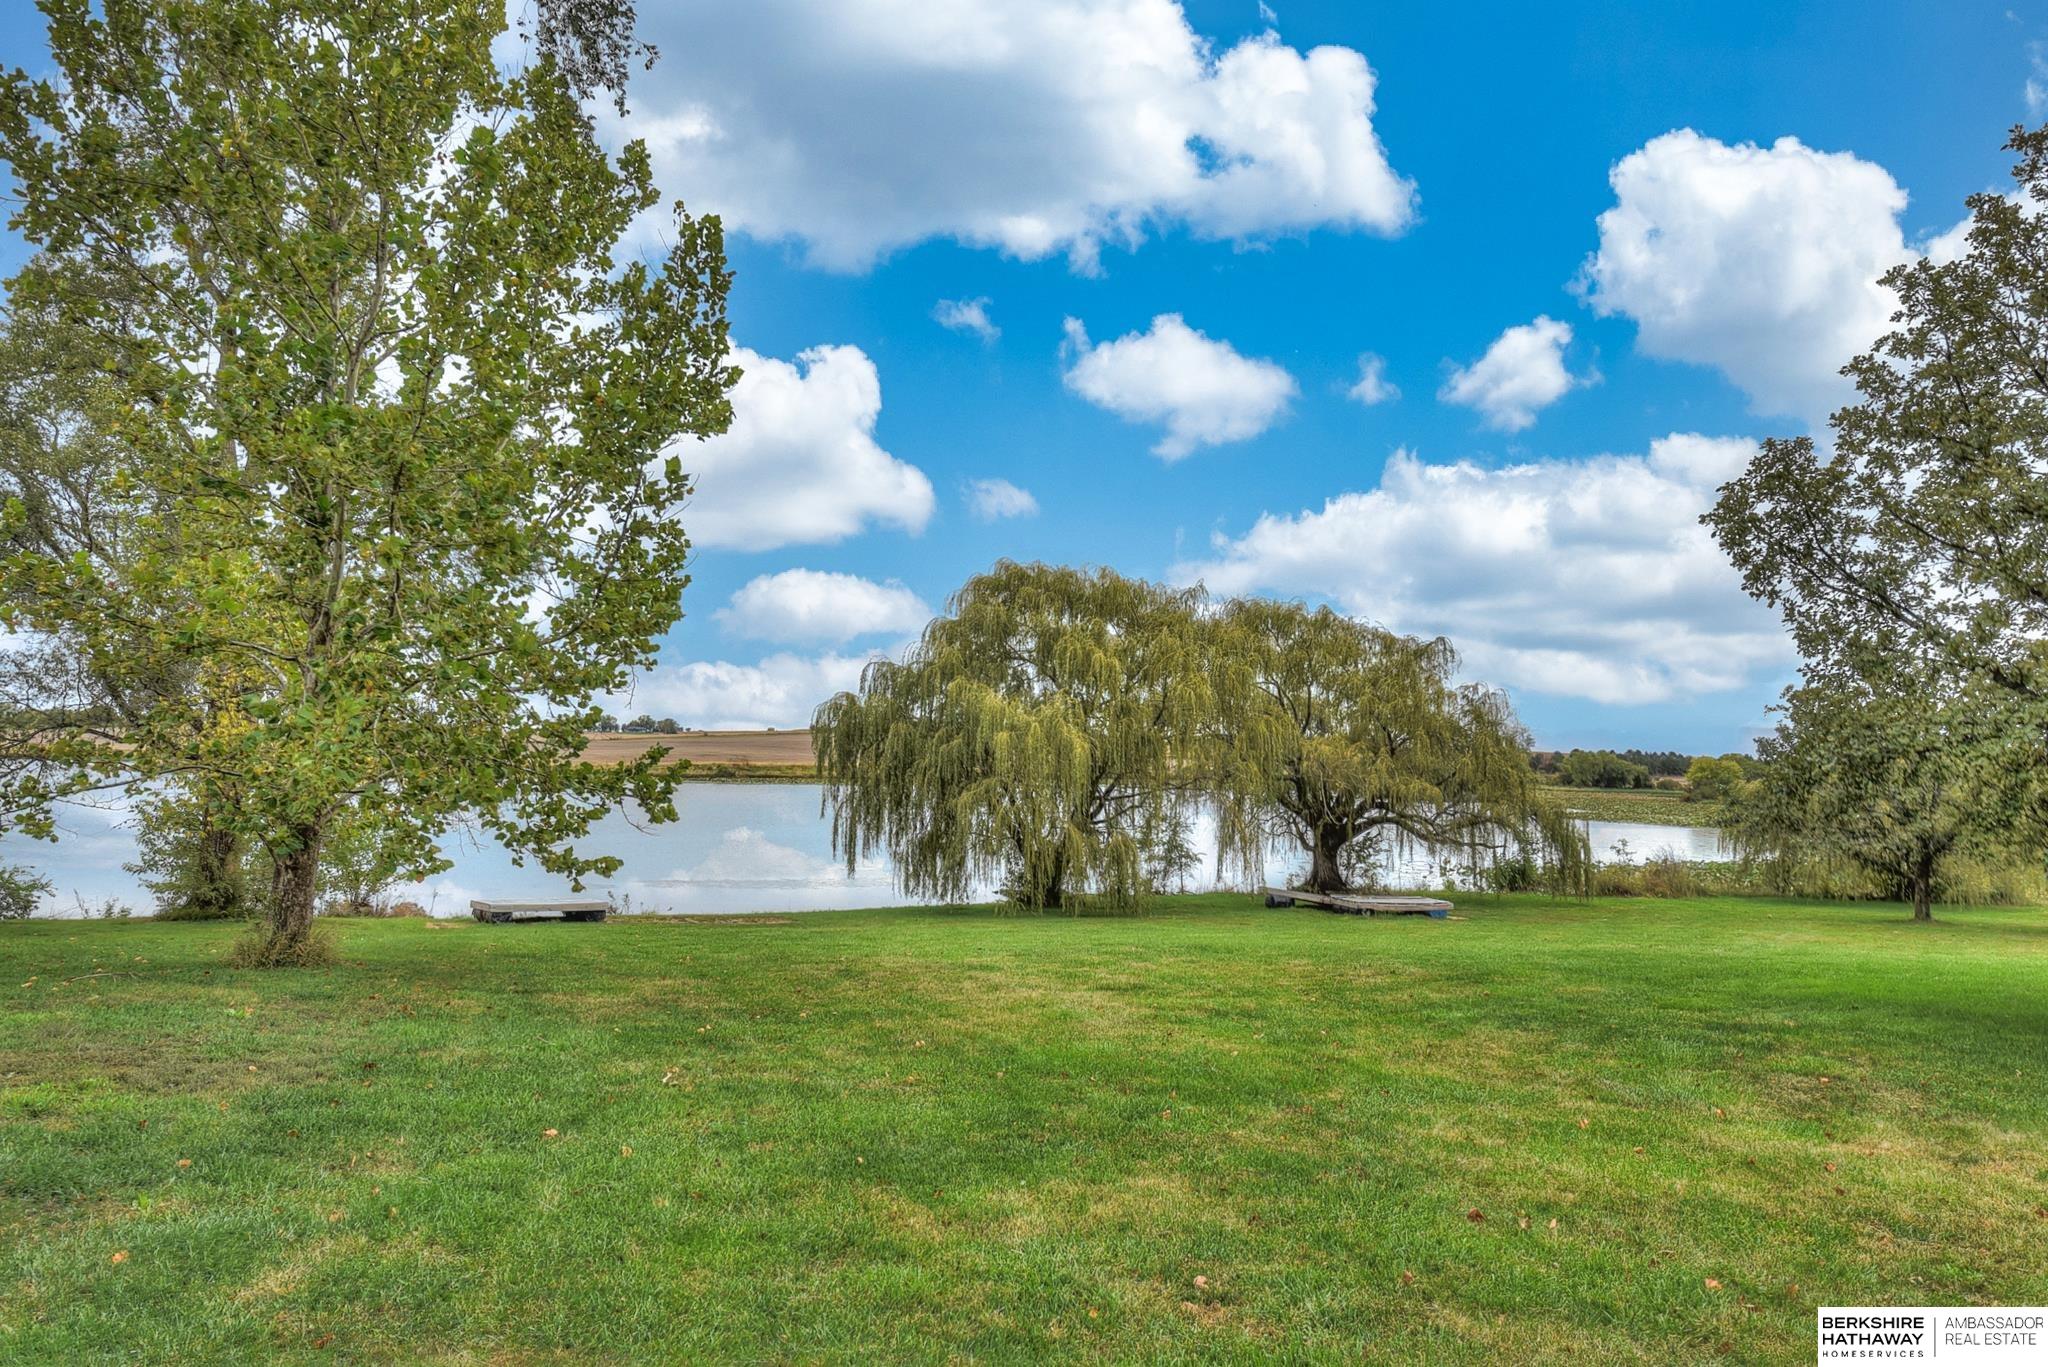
(1894, 778)
(1048, 733)
(1925, 529)
(1347, 736)
(403, 418)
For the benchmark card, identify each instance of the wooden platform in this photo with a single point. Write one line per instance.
(497, 913)
(1361, 904)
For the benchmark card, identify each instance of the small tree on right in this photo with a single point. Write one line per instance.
(1892, 780)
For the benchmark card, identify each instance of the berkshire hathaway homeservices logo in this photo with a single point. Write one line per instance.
(1959, 1335)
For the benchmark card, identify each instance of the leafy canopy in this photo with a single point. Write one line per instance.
(1925, 530)
(1046, 734)
(394, 420)
(1343, 736)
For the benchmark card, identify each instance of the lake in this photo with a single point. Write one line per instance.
(738, 848)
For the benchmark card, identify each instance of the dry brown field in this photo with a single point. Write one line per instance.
(706, 747)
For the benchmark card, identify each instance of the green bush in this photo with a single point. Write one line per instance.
(1617, 880)
(1666, 876)
(1962, 882)
(1518, 872)
(21, 889)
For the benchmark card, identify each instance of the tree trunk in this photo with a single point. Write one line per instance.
(1921, 888)
(291, 903)
(1325, 872)
(217, 879)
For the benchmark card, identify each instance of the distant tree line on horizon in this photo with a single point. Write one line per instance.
(642, 725)
(1700, 777)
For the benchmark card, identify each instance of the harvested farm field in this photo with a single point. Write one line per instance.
(737, 748)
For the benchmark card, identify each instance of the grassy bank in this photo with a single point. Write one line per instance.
(700, 771)
(1652, 806)
(1616, 1131)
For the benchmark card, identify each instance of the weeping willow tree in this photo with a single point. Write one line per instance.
(1048, 734)
(1345, 737)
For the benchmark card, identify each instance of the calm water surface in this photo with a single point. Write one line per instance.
(739, 847)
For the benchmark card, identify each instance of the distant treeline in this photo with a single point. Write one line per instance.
(1633, 768)
(642, 725)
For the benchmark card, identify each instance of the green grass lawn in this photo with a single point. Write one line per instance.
(1633, 1131)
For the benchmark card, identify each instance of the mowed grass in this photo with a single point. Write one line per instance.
(1609, 1131)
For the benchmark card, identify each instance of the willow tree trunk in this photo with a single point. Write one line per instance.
(291, 903)
(1325, 852)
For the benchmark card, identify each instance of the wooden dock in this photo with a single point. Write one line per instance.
(1361, 904)
(497, 913)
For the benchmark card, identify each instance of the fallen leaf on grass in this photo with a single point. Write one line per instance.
(625, 1150)
(550, 1134)
(1475, 1215)
(1407, 1279)
(1201, 1283)
(121, 1256)
(1713, 1285)
(184, 1162)
(1827, 1167)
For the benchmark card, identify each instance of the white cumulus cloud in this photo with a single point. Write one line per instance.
(991, 500)
(865, 126)
(781, 690)
(818, 606)
(966, 315)
(1584, 578)
(1201, 389)
(800, 463)
(1521, 374)
(1759, 261)
(1373, 386)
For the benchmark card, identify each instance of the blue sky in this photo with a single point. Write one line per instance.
(1570, 386)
